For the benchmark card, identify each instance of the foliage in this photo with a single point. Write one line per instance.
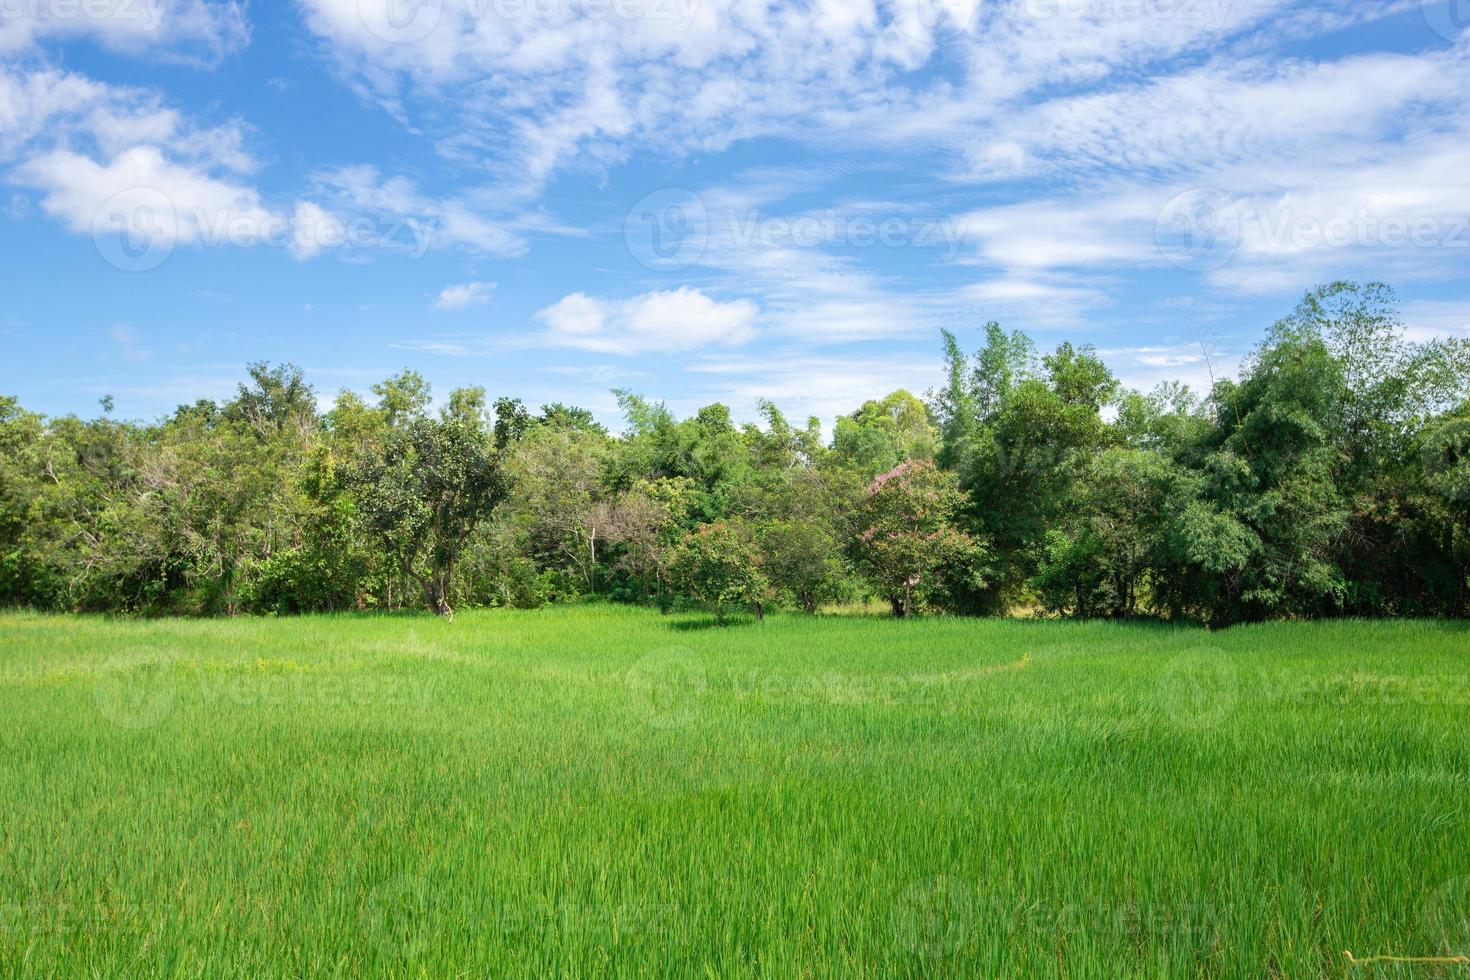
(1328, 478)
(883, 434)
(909, 547)
(719, 565)
(426, 486)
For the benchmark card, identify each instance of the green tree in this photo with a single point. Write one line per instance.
(909, 547)
(647, 521)
(1028, 452)
(803, 517)
(431, 482)
(556, 488)
(720, 565)
(1097, 561)
(884, 433)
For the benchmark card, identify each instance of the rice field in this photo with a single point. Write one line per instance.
(602, 791)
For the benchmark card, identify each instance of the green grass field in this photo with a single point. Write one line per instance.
(604, 791)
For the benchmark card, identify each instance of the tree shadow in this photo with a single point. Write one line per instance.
(710, 623)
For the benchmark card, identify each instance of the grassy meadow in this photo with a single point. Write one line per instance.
(604, 791)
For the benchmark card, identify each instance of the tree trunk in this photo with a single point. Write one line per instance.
(760, 613)
(899, 610)
(592, 559)
(441, 594)
(436, 588)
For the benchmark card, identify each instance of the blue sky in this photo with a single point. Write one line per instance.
(706, 199)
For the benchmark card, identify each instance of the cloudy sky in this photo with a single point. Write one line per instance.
(706, 199)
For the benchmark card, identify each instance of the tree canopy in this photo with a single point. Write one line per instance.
(1331, 477)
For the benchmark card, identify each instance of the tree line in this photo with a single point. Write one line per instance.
(1331, 479)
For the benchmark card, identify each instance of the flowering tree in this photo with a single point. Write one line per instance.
(909, 547)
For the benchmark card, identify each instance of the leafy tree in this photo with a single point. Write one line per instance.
(804, 522)
(1273, 472)
(719, 565)
(909, 548)
(1006, 360)
(884, 433)
(805, 561)
(430, 483)
(24, 525)
(1029, 449)
(556, 487)
(1098, 561)
(781, 446)
(1329, 478)
(956, 406)
(645, 524)
(278, 401)
(560, 416)
(1445, 455)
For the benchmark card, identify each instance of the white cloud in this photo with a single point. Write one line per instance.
(419, 221)
(539, 87)
(804, 385)
(577, 315)
(463, 295)
(314, 228)
(1038, 300)
(200, 31)
(1226, 113)
(143, 193)
(128, 343)
(1432, 319)
(41, 105)
(1298, 183)
(115, 159)
(675, 320)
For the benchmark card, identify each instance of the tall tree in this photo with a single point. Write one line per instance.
(884, 433)
(431, 482)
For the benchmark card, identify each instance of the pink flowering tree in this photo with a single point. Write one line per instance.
(909, 547)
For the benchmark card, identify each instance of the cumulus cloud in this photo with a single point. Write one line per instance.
(117, 160)
(463, 295)
(674, 320)
(141, 192)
